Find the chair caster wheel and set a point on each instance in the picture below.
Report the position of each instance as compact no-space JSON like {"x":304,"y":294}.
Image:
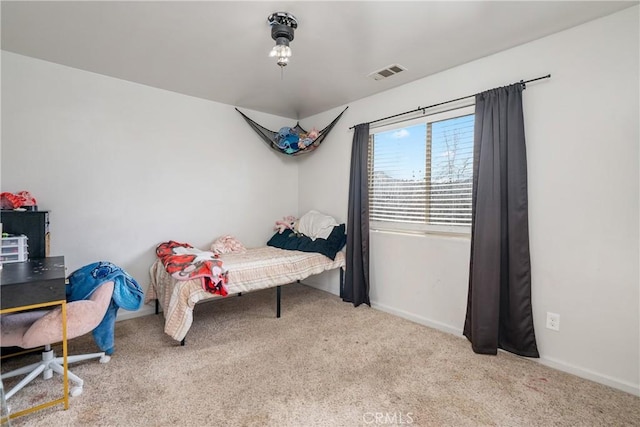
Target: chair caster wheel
{"x":75,"y":391}
{"x":105,"y":358}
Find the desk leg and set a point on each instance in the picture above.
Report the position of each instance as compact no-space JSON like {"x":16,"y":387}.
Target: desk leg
{"x":65,"y":378}
{"x":64,"y":356}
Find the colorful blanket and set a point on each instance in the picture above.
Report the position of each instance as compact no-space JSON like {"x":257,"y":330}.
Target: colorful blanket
{"x":184,"y":262}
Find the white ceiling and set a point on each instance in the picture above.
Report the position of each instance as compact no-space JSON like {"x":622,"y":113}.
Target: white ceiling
{"x":218,"y":50}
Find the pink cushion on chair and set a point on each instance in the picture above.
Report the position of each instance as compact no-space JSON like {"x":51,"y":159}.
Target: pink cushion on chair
{"x":38,"y":328}
{"x":14,"y":326}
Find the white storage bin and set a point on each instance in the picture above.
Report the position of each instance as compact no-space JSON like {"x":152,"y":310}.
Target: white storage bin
{"x":14,"y":249}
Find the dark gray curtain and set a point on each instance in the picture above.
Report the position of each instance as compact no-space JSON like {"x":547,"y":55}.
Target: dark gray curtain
{"x":499,"y":313}
{"x":356,"y":283}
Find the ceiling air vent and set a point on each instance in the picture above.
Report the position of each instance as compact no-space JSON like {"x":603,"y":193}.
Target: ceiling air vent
{"x":387,"y":72}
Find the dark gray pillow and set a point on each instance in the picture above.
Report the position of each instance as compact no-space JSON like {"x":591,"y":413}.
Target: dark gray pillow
{"x":298,"y":242}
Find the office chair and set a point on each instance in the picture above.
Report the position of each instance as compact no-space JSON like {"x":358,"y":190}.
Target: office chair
{"x":44,"y":327}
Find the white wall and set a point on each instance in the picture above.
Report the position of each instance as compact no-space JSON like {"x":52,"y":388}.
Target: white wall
{"x":582,"y":139}
{"x":123,"y":167}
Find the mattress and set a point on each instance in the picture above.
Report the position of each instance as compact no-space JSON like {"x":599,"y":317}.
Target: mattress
{"x":258,"y":268}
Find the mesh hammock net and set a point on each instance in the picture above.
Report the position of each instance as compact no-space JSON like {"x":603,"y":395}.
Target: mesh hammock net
{"x":292,"y":141}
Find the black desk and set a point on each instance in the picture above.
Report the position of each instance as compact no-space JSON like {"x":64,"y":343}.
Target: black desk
{"x":38,"y":283}
{"x":32,"y":282}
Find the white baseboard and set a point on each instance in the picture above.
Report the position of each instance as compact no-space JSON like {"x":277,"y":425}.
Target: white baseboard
{"x":418,"y":319}
{"x":590,"y":375}
{"x":145,"y":310}
{"x":327,"y":287}
{"x":547,"y":361}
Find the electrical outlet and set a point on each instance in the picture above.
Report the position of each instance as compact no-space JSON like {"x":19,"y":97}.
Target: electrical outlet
{"x":553,"y":321}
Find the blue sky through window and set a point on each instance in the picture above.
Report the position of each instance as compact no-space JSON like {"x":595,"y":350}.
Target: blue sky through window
{"x":405,"y":149}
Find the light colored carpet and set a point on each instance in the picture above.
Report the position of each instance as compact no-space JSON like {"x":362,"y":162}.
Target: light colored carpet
{"x":323,"y":363}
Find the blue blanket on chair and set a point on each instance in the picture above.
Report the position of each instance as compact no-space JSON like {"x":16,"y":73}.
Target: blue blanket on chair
{"x":126,"y":294}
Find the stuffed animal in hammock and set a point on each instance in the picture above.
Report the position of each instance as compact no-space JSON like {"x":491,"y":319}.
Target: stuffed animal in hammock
{"x":287,"y":140}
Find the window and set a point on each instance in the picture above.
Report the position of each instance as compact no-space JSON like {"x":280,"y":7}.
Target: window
{"x":421,"y":174}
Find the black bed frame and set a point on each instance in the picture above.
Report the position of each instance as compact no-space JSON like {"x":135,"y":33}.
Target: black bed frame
{"x":278,"y":294}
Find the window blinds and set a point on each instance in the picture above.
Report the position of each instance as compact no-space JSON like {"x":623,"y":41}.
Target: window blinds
{"x":422,"y":174}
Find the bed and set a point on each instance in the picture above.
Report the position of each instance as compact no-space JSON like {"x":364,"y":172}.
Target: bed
{"x":299,"y":249}
{"x":255,"y":269}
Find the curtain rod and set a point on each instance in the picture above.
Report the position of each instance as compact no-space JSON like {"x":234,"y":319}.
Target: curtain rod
{"x":522,"y":82}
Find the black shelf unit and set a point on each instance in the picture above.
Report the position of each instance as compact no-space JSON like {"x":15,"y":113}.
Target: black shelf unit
{"x":34,"y":225}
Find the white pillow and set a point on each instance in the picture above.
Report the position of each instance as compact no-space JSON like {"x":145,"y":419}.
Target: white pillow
{"x":316,"y":225}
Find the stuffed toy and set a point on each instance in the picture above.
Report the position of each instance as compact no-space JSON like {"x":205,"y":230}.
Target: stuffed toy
{"x":313,"y":134}
{"x":286,"y":223}
{"x":287,"y":140}
{"x":306,"y":139}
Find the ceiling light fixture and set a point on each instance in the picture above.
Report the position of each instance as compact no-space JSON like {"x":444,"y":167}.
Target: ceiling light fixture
{"x":282,"y":26}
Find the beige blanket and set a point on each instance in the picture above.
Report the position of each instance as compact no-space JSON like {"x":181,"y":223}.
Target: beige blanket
{"x":258,"y":268}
